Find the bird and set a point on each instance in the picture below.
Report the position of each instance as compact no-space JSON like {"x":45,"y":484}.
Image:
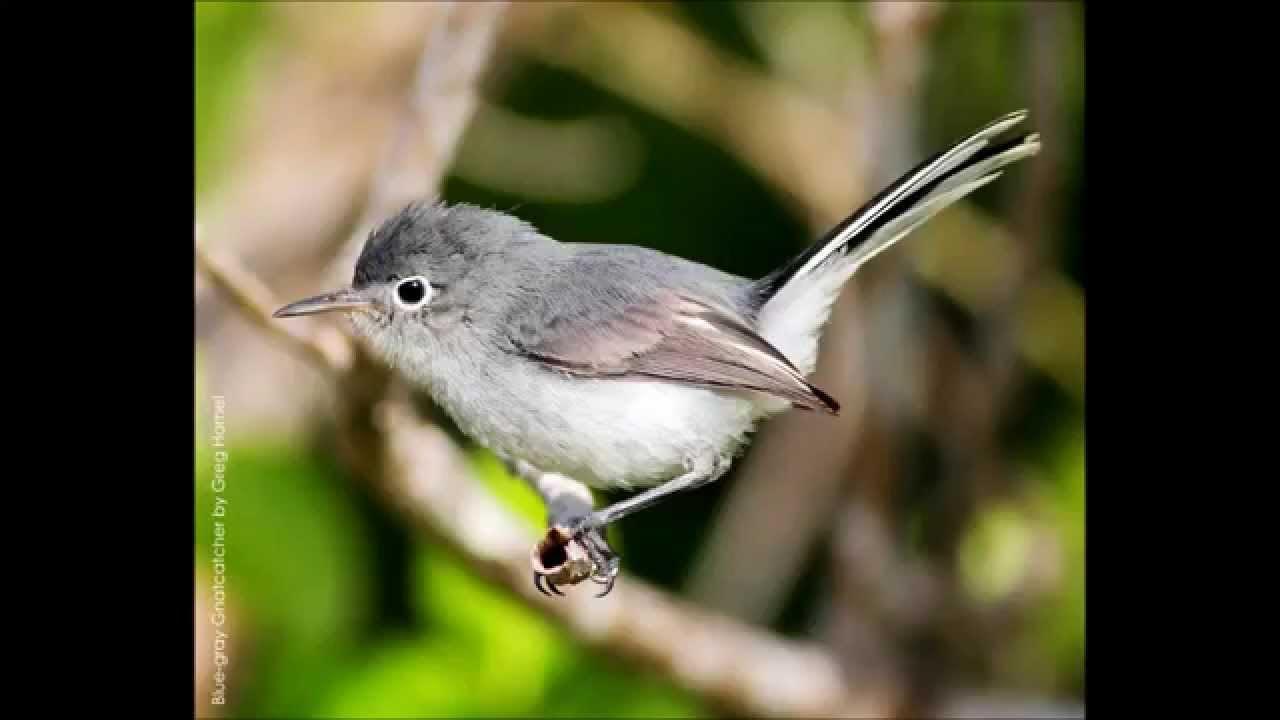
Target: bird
{"x":620,"y":366}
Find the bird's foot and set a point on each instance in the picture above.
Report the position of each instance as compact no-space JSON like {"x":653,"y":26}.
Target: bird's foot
{"x":570,"y":553}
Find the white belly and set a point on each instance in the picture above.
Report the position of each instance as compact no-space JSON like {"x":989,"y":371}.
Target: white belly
{"x":641,"y":433}
{"x":612,"y":433}
{"x":607,"y":433}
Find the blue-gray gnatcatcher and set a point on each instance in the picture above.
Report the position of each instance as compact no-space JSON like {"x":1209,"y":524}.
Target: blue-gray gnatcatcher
{"x":619,"y":366}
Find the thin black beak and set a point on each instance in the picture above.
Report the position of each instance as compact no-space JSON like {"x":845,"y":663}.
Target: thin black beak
{"x":341,"y":301}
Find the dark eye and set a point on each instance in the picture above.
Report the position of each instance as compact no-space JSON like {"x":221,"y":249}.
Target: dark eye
{"x":412,"y":293}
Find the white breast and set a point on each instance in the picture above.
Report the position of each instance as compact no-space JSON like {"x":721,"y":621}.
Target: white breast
{"x":639,"y":433}
{"x":607,"y":433}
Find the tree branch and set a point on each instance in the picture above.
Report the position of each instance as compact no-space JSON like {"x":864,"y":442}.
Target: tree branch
{"x":438,"y":108}
{"x":733,"y":665}
{"x":324,"y":347}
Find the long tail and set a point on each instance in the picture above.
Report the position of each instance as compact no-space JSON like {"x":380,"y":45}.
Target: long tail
{"x":795,"y":300}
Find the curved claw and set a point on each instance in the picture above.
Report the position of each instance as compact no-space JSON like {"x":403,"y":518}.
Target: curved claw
{"x":608,"y":586}
{"x":573,"y":552}
{"x":608,"y":578}
{"x":539,"y":579}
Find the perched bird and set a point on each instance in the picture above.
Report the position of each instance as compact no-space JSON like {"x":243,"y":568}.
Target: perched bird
{"x":619,"y":366}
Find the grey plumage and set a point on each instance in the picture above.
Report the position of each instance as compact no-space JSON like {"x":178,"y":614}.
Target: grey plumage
{"x":620,"y":366}
{"x":670,"y":320}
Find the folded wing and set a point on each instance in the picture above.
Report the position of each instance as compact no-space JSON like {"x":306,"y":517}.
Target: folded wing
{"x":670,"y":336}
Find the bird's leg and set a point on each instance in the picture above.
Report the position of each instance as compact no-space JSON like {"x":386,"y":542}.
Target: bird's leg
{"x":575,"y":540}
{"x":697,"y":476}
{"x":567,"y":554}
{"x":587,"y":529}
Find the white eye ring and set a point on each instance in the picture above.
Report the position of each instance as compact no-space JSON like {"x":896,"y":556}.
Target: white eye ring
{"x":412,"y":293}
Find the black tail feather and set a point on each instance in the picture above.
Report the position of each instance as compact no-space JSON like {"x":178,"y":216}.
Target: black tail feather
{"x":768,"y":286}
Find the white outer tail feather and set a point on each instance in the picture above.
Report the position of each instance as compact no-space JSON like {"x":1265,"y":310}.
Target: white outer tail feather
{"x":793,"y":318}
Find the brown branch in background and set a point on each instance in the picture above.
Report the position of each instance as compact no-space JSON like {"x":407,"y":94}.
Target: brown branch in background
{"x":788,"y":485}
{"x":971,"y":394}
{"x":1039,"y":201}
{"x":316,"y":110}
{"x":790,"y":482}
{"x":797,"y":468}
{"x":439,"y":105}
{"x":322,"y":346}
{"x":311,"y":149}
{"x":641,"y":54}
{"x":876,"y":597}
{"x":962,"y":399}
{"x":736,"y":668}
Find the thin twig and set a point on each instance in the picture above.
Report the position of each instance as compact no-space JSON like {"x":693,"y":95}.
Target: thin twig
{"x":324,"y":347}
{"x":438,"y":107}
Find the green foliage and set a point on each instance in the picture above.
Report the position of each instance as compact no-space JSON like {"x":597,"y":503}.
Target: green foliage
{"x":290,"y":532}
{"x":996,"y":554}
{"x":296,"y":555}
{"x":979,"y":65}
{"x":511,"y":491}
{"x":225,"y":31}
{"x":298,"y":584}
{"x":483,"y":653}
{"x":510,"y":651}
{"x":521,"y":499}
{"x":1059,"y":623}
{"x":1000,"y":552}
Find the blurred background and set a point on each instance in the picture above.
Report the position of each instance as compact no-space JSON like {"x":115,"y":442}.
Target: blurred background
{"x":931,"y":537}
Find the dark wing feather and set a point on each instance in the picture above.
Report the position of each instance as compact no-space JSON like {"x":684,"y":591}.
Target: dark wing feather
{"x":675,"y":337}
